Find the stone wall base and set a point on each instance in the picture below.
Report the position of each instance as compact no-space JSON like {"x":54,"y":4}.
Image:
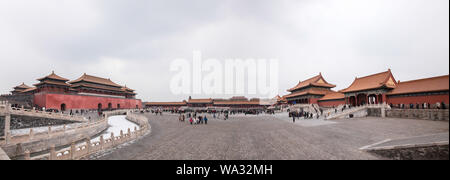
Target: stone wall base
{"x":423,"y":114}
{"x":426,"y":152}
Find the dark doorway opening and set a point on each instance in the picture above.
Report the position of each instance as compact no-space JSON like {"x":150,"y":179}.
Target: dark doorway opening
{"x":63,"y":107}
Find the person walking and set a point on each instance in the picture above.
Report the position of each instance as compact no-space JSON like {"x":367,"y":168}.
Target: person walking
{"x":190,"y":120}
{"x":293,"y":118}
{"x":206,"y":120}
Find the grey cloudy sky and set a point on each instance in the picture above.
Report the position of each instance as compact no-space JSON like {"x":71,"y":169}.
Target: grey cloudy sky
{"x":133,"y":41}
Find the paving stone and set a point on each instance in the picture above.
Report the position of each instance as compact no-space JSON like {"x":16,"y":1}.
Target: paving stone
{"x":266,"y":137}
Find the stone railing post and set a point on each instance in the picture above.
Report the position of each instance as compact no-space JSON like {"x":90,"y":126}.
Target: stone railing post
{"x":88,"y":145}
{"x":73,"y":150}
{"x":49,"y":131}
{"x":7,"y":127}
{"x":112,"y":139}
{"x":129,"y":132}
{"x":52,"y":152}
{"x":27,"y":155}
{"x":102,"y":142}
{"x":121,"y":134}
{"x":31,"y":135}
{"x":19,"y":150}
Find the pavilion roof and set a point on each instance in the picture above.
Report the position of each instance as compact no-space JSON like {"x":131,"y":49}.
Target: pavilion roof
{"x":200,"y":100}
{"x":237,"y":103}
{"x":433,"y":84}
{"x":22,"y":86}
{"x":314,"y":81}
{"x":29,"y":89}
{"x":379,"y":80}
{"x":95,"y":79}
{"x":166,"y":103}
{"x":48,"y":81}
{"x":125,"y":88}
{"x":308,"y":92}
{"x":97,"y":87}
{"x":54,"y":77}
{"x":332,"y":96}
{"x":238,"y":98}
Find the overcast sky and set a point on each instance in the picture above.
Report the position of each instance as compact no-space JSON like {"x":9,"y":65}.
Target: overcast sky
{"x":133,"y":42}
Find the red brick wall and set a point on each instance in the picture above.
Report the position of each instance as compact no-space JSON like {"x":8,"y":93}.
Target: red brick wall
{"x":313,"y":100}
{"x":331,"y":103}
{"x":54,"y":101}
{"x":432,"y":99}
{"x":39,"y":100}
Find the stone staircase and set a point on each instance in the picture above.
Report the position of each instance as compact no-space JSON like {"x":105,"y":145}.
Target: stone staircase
{"x":344,"y":114}
{"x":310,"y":108}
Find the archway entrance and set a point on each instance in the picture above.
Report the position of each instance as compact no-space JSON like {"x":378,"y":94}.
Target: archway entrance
{"x":373,"y":99}
{"x":352,"y":100}
{"x":63,"y":107}
{"x":362,"y":99}
{"x":99,"y":106}
{"x":109,"y":106}
{"x":118,"y":106}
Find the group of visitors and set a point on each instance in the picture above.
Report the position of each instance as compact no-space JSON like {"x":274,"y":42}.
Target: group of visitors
{"x":438,"y":105}
{"x":157,"y":111}
{"x":218,"y":115}
{"x":298,"y":115}
{"x":198,"y":120}
{"x":193,"y":119}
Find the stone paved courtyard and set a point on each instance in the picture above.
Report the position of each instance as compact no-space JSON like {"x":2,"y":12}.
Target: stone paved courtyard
{"x":268,"y":138}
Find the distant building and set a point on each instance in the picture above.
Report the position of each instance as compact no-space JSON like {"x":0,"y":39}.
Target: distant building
{"x":309,"y":91}
{"x":238,"y":103}
{"x":370,"y":89}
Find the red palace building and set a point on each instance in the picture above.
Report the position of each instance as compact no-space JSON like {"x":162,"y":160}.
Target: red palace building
{"x":309,"y":91}
{"x":86,"y":92}
{"x":373,"y":89}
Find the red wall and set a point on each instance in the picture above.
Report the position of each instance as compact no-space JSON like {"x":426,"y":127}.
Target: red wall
{"x":313,"y":100}
{"x":54,"y":101}
{"x":331,"y":103}
{"x":432,"y":99}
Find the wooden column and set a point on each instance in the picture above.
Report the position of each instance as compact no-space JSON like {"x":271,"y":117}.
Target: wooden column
{"x":367,"y":99}
{"x":7,"y":127}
